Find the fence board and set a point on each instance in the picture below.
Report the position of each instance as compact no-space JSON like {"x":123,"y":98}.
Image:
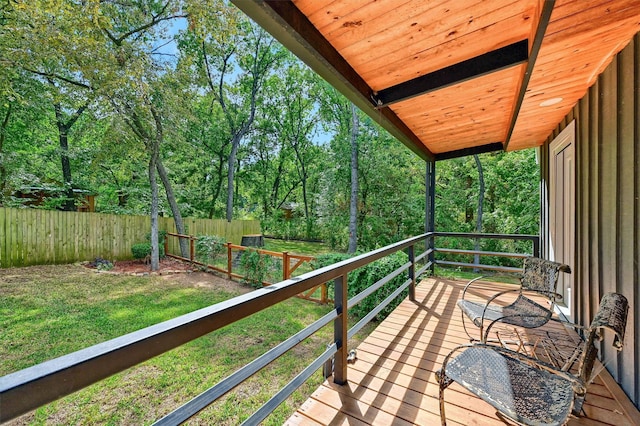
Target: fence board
{"x":34,"y":236}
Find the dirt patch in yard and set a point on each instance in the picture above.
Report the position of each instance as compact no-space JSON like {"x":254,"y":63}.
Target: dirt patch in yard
{"x":138,"y":267}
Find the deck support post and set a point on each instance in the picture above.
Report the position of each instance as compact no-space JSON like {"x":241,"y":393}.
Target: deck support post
{"x":430,"y":209}
{"x":340,"y":329}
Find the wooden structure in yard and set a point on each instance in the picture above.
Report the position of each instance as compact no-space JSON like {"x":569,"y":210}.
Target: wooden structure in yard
{"x":36,"y":196}
{"x":233,"y":252}
{"x":37,"y":237}
{"x":450,"y":78}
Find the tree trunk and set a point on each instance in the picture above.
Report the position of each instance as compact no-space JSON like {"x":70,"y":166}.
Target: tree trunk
{"x":218,"y":186}
{"x":3,"y":169}
{"x":353,"y":205}
{"x":476,"y":259}
{"x":63,"y":141}
{"x":230,"y":174}
{"x":175,"y":210}
{"x":155,"y":249}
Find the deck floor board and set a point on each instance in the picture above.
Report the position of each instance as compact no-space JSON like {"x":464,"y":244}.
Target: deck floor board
{"x":393,"y":380}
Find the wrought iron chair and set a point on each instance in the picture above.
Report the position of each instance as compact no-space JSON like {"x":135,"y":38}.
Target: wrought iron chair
{"x":524,"y":389}
{"x":539,"y":276}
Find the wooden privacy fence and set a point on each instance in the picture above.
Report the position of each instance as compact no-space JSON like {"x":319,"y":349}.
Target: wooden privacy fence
{"x":35,"y":237}
{"x":229,"y":264}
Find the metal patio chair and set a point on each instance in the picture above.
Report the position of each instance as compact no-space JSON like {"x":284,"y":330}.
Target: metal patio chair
{"x":524,"y":389}
{"x":539,"y":276}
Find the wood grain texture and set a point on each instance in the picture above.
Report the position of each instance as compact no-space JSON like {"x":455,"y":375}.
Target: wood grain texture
{"x":393,"y":380}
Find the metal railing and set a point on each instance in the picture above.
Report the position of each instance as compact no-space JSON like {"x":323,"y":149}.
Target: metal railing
{"x":35,"y":386}
{"x":535,"y":250}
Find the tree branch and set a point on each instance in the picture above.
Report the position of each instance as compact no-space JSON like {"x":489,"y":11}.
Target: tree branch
{"x":58,"y":77}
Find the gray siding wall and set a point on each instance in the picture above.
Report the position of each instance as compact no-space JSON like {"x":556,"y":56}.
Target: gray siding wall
{"x":607,"y":204}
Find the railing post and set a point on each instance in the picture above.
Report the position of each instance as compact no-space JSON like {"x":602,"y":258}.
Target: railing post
{"x":285,"y":266}
{"x":536,"y":247}
{"x":229,"y":260}
{"x":412,"y":273}
{"x":430,"y":210}
{"x":431,"y":245}
{"x":340,"y":328}
{"x":192,"y":249}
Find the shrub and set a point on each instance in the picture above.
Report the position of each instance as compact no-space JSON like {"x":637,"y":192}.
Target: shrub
{"x":141,"y":250}
{"x":161,"y":237}
{"x":256,"y":267}
{"x":363,"y":277}
{"x":209,"y":247}
{"x":102,"y":264}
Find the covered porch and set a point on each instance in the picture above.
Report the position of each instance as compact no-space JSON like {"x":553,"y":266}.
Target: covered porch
{"x":393,"y":379}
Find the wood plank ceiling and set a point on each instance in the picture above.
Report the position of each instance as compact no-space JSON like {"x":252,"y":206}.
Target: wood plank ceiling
{"x":454,"y":77}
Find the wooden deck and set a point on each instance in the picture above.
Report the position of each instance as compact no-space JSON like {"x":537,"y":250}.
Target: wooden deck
{"x":393,"y":380}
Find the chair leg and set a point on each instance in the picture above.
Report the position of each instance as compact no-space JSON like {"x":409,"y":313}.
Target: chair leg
{"x":443,"y":418}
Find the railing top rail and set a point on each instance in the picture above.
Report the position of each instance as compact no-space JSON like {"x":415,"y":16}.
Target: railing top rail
{"x":66,"y":374}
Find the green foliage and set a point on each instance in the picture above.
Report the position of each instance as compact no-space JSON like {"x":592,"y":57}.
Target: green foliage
{"x":209,"y":247}
{"x":294,"y":228}
{"x":256,"y":266}
{"x":362,"y":278}
{"x":285,"y":132}
{"x":102,"y":264}
{"x":141,"y":250}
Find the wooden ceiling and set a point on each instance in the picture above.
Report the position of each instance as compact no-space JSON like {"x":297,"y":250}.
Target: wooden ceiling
{"x":456,"y":77}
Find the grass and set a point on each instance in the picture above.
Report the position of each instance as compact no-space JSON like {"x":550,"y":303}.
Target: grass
{"x":49,"y":311}
{"x":297,"y":247}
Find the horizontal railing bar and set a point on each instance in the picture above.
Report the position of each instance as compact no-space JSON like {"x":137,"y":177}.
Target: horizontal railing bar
{"x":294,"y":384}
{"x":259,"y":250}
{"x":367,"y":318}
{"x":32,"y":387}
{"x":483,"y":253}
{"x":492,"y":236}
{"x":479,"y":266}
{"x":423,"y":255}
{"x":200,"y":402}
{"x":376,"y":286}
{"x":173,"y":234}
{"x":423,"y":269}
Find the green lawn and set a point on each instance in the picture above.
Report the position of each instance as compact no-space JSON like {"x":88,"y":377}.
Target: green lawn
{"x":48,"y":311}
{"x":297,"y":247}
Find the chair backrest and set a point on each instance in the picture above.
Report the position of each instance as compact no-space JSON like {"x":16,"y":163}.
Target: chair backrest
{"x":612,"y":314}
{"x":542,"y":275}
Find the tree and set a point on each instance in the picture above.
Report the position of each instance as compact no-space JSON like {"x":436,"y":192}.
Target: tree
{"x":291,"y":109}
{"x":353,"y":205}
{"x":232,"y":49}
{"x":476,"y":158}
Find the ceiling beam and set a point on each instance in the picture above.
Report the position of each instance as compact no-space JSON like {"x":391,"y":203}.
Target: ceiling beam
{"x":545,"y":17}
{"x":490,"y":147}
{"x":287,"y":24}
{"x":487,"y":63}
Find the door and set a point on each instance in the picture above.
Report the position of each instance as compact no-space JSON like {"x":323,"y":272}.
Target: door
{"x":562,"y":184}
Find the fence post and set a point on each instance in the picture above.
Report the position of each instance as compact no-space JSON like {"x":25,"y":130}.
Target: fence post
{"x":324,"y":294}
{"x":536,"y":247}
{"x":340,"y":328}
{"x":229,"y":260}
{"x":192,"y":248}
{"x":166,"y":244}
{"x":412,"y":273}
{"x":285,"y":266}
